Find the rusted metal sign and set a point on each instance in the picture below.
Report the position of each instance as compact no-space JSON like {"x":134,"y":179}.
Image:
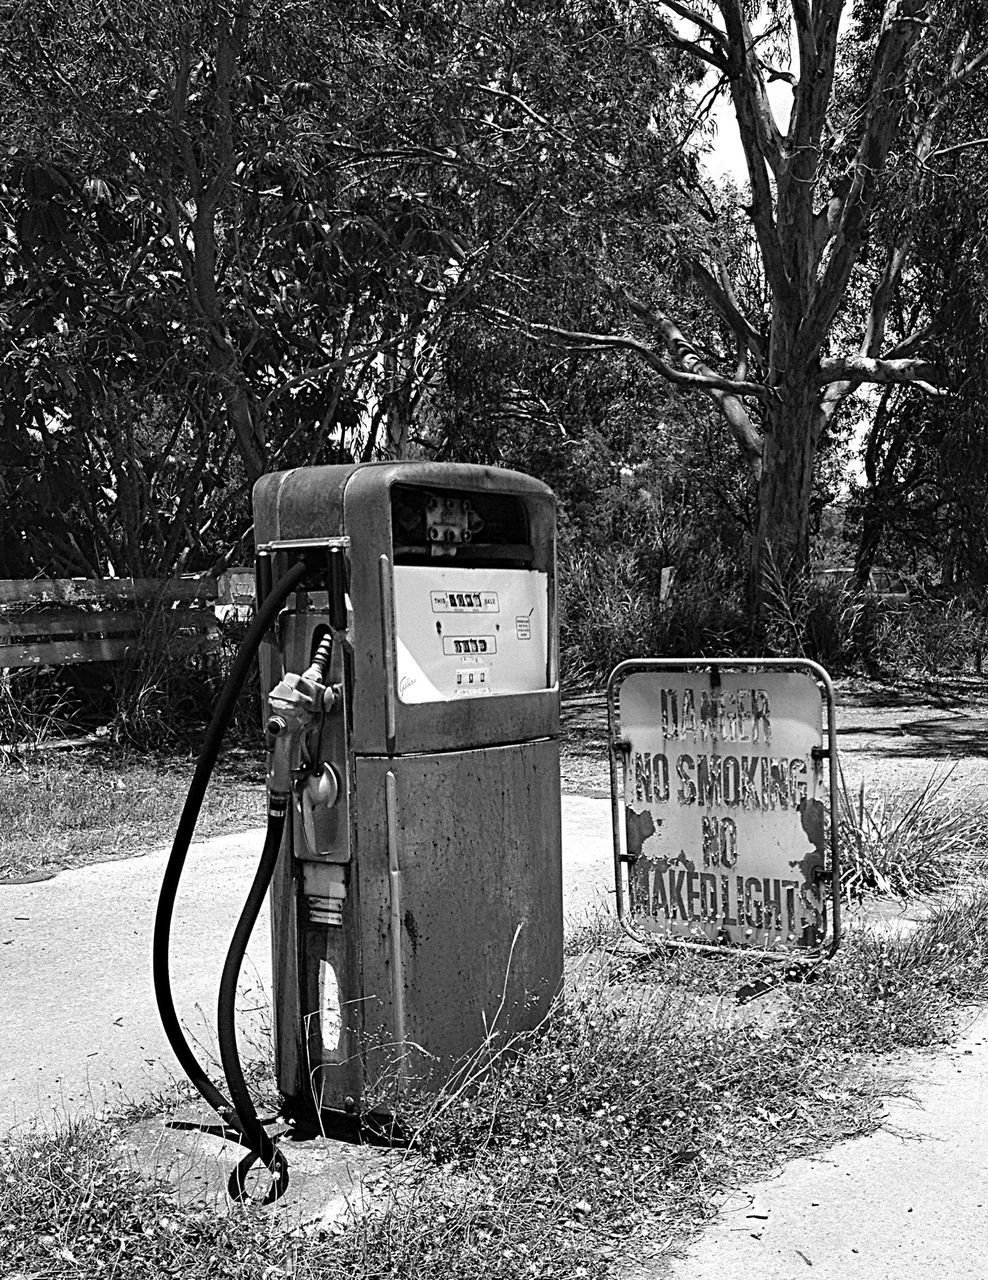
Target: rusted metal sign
{"x":720,"y":819}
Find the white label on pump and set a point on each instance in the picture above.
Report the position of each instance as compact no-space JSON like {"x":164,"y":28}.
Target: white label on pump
{"x":469,"y":633}
{"x":330,"y":1014}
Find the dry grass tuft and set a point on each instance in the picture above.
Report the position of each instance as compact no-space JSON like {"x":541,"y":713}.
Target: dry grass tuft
{"x":908,"y":844}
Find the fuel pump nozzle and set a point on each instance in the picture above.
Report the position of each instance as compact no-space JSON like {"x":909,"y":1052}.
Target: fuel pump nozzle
{"x":294,"y":706}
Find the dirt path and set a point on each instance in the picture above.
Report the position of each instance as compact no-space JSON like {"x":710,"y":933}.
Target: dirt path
{"x":888,"y":737}
{"x":900,"y":737}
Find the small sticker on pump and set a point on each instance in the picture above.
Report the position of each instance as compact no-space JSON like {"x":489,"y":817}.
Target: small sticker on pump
{"x":523,"y":628}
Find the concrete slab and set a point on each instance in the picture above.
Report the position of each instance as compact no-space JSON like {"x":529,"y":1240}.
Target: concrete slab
{"x":78,"y":1022}
{"x":328,"y":1181}
{"x":908,"y":1202}
{"x":79,"y":1029}
{"x":588,"y":859}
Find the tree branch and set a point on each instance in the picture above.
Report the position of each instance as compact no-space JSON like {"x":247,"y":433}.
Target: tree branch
{"x":858,"y":369}
{"x":760,"y":140}
{"x":719,"y":292}
{"x":874,"y":337}
{"x":959,"y":75}
{"x":725,"y":392}
{"x":314,"y":373}
{"x":958,"y":146}
{"x":698,"y":19}
{"x":911,"y":343}
{"x":697,"y":51}
{"x":760,"y":135}
{"x":523,"y":106}
{"x":577,"y":340}
{"x":885,"y":95}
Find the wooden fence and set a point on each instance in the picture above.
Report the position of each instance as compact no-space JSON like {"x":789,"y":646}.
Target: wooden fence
{"x":62,"y":621}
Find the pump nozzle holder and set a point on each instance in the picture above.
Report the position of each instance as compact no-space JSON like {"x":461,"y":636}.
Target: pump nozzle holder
{"x":280,"y":746}
{"x":294,"y":705}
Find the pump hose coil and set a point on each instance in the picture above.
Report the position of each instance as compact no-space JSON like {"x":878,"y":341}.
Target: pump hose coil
{"x":239,"y":1115}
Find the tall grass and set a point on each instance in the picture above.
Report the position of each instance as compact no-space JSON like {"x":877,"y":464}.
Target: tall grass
{"x":827,"y":621}
{"x":162,"y":698}
{"x":932,"y":636}
{"x":908,"y":843}
{"x":846,"y":629}
{"x":154,"y":698}
{"x":32,"y":712}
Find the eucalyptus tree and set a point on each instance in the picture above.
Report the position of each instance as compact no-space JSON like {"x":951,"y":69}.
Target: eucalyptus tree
{"x":780,"y":359}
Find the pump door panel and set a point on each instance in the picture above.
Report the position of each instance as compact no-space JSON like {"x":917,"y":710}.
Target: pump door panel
{"x":479,"y":920}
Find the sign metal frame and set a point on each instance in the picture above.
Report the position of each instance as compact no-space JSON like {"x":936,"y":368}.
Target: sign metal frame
{"x":619,"y":748}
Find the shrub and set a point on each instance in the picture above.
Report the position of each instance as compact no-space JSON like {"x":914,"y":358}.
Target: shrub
{"x":34,"y":709}
{"x":610,"y":609}
{"x":161,"y":699}
{"x":930,"y":637}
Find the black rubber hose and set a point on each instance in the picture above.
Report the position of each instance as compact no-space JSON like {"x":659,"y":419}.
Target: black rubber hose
{"x":226,"y":704}
{"x":254,"y":1135}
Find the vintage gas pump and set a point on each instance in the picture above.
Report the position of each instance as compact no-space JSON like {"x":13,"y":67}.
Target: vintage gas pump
{"x":412,"y":706}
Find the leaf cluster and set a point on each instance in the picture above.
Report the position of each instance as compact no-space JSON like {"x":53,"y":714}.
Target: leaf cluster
{"x":243,"y":237}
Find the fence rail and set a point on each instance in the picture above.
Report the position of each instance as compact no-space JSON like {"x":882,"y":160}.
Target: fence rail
{"x":63,"y":621}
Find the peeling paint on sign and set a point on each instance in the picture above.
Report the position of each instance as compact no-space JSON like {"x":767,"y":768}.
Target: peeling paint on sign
{"x":724,"y":822}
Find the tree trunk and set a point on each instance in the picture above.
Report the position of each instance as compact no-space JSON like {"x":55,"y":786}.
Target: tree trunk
{"x":780,"y":546}
{"x":248,"y":432}
{"x":872,"y":527}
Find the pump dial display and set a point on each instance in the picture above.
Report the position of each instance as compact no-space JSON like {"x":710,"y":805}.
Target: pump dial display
{"x":469,"y":644}
{"x":464,"y":601}
{"x":467,"y":633}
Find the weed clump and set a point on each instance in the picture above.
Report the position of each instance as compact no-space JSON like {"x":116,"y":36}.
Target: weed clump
{"x":903,"y":989}
{"x":639,"y":1101}
{"x":907,"y":844}
{"x":69,"y":1207}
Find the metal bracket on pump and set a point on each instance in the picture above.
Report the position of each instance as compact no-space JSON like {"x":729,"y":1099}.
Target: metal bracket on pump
{"x":325,"y":561}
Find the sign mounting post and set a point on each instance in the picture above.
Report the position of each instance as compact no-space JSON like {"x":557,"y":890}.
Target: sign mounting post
{"x":719,"y":803}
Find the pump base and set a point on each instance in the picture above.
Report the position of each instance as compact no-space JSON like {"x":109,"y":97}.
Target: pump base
{"x":375,"y":1129}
